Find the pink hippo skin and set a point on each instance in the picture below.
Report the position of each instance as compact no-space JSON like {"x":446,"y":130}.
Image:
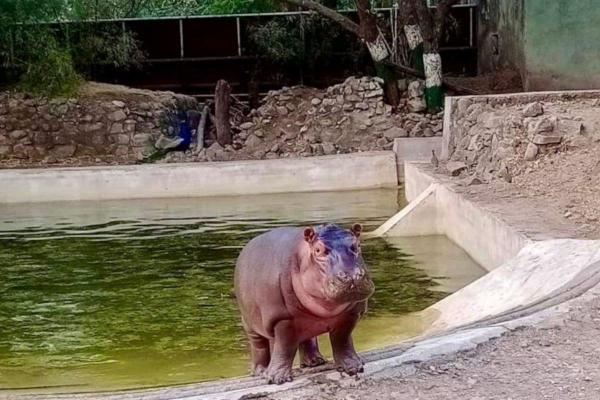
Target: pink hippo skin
{"x":293,"y":284}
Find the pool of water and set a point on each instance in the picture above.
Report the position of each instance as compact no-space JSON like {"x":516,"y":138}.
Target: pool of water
{"x":128,"y":294}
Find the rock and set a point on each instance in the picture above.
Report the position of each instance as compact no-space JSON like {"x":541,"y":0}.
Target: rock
{"x":290,"y":106}
{"x":402,"y":84}
{"x":455,"y":167}
{"x":340,"y":99}
{"x":471,"y":181}
{"x":541,"y":125}
{"x":348,"y":107}
{"x":315,"y":101}
{"x":142,"y":139}
{"x":533,"y":110}
{"x":275,"y":148}
{"x":63,"y":151}
{"x":368,"y":122}
{"x":416,"y":89}
{"x":395,"y":132}
{"x":381,"y":142}
{"x":215,"y":147}
{"x":569,"y":127}
{"x":253,"y":141}
{"x":117,"y":116}
{"x":116,"y":128}
{"x":122,"y":138}
{"x":417,"y":105}
{"x":118,"y":104}
{"x":328,"y":148}
{"x":463,"y":105}
{"x":282,"y":110}
{"x":418,"y":130}
{"x":246,"y":125}
{"x":18,"y":134}
{"x":374,"y":93}
{"x":546,"y":139}
{"x":531,"y":152}
{"x":259,"y":133}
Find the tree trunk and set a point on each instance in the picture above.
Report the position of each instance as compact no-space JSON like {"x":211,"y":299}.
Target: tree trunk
{"x":222,"y":99}
{"x":379,"y":51}
{"x":408,"y":24}
{"x":432,"y":62}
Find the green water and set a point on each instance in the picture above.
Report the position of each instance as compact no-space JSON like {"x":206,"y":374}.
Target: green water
{"x":99,"y":296}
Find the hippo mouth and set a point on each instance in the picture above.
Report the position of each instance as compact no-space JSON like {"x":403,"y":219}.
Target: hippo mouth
{"x":349,"y":290}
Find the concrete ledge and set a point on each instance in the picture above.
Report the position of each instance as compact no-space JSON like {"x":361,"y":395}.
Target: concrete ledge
{"x":487,"y":239}
{"x":329,"y":173}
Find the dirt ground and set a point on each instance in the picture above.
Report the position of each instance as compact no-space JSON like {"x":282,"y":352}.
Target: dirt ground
{"x":558,"y":363}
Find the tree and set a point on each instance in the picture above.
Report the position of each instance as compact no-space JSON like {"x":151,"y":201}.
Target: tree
{"x":429,"y":32}
{"x":423,"y":28}
{"x":368,"y":31}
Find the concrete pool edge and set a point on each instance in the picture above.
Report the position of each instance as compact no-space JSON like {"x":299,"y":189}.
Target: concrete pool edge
{"x":583,"y":280}
{"x":368,"y":170}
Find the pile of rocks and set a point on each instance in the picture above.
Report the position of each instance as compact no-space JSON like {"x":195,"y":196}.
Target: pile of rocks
{"x":490,"y":138}
{"x":299,"y":121}
{"x":92,"y":129}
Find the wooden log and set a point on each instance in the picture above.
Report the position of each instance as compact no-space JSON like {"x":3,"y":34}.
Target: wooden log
{"x":201,"y":129}
{"x":222,"y":102}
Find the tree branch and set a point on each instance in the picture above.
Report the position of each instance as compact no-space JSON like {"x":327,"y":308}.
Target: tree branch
{"x":441,"y":12}
{"x":335,"y":16}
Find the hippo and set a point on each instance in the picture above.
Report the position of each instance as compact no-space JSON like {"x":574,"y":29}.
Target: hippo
{"x":293,"y":284}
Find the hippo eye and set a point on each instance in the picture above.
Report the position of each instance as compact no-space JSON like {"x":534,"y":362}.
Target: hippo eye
{"x":320,"y":251}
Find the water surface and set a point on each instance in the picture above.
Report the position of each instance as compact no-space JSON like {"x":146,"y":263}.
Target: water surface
{"x":124,"y":294}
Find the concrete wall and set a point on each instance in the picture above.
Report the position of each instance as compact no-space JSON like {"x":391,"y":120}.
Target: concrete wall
{"x":329,"y":173}
{"x":436,"y":209}
{"x":554,"y":44}
{"x":506,"y":20}
{"x":561,"y":44}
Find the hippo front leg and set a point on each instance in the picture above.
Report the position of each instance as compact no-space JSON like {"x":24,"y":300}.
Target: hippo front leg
{"x":285,"y":345}
{"x":344,"y":355}
{"x":310,"y":356}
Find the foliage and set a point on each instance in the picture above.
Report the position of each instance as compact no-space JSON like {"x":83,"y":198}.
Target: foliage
{"x":308,"y":43}
{"x":44,"y":54}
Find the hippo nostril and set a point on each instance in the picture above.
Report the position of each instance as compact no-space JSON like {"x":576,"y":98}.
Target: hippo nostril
{"x":359,"y":274}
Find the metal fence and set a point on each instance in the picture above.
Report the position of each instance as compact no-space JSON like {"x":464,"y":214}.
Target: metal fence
{"x":190,"y":54}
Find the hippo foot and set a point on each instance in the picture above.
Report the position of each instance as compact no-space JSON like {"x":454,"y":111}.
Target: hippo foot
{"x":350,"y":364}
{"x":258,"y":370}
{"x":313,"y":360}
{"x":278,"y":375}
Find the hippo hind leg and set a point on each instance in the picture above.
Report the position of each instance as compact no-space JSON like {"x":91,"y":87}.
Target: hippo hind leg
{"x":310,"y":355}
{"x":261,"y":353}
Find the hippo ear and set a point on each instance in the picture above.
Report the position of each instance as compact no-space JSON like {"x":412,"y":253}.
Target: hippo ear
{"x":309,"y":234}
{"x":356,"y":229}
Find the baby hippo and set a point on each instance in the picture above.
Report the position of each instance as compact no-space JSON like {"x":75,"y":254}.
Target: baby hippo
{"x":293,"y":284}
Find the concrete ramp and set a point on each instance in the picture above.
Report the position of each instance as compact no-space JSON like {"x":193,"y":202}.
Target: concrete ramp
{"x":540,"y":272}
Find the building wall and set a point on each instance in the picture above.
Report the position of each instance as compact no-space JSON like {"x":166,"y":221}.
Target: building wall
{"x":505,"y":20}
{"x":562,"y":45}
{"x":555,"y":45}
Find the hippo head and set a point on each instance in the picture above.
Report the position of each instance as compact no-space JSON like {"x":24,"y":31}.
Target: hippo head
{"x":335,"y":264}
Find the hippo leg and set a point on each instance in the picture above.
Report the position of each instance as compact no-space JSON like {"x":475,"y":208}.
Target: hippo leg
{"x":345,"y":356}
{"x":261,"y":354}
{"x":310,"y":355}
{"x":284,"y":350}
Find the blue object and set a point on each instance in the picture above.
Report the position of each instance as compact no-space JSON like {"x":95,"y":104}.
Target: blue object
{"x":186,"y":134}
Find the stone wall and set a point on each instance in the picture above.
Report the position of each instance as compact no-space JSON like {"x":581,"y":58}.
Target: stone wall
{"x":487,"y":135}
{"x":105,"y":123}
